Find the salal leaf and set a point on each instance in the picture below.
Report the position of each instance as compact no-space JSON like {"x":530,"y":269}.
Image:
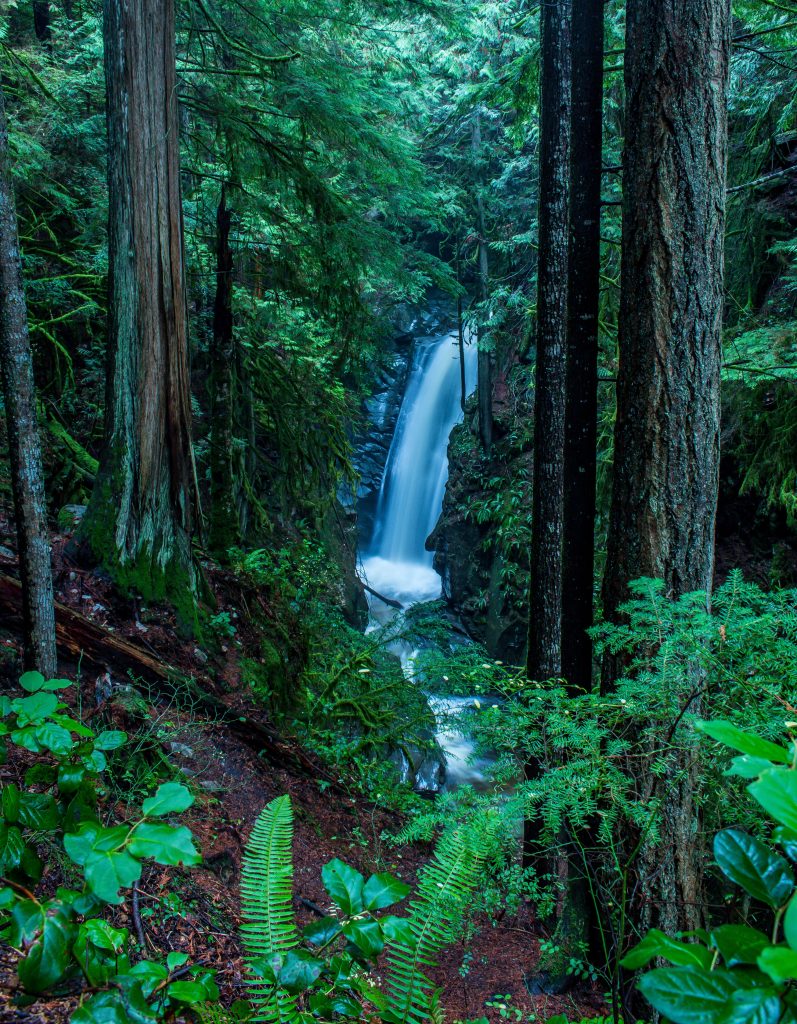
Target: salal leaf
{"x":747,"y":767}
{"x":299,"y":971}
{"x":745,"y":742}
{"x":779,"y":962}
{"x":739,"y":944}
{"x":748,"y":862}
{"x":383,"y":890}
{"x":170,"y":798}
{"x":166,"y":845}
{"x":345,"y":885}
{"x":111,"y":739}
{"x":46,"y":932}
{"x":33,"y":709}
{"x":689,"y":995}
{"x":776,"y":791}
{"x":366,"y":935}
{"x":656,"y":944}
{"x":319,"y":933}
{"x":752,"y":1006}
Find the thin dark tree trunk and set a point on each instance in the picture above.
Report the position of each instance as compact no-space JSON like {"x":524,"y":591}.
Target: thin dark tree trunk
{"x":41,"y":20}
{"x":666,"y":455}
{"x":545,"y":623}
{"x":545,"y":605}
{"x":581,"y":421}
{"x":223,"y":514}
{"x":19,"y":398}
{"x":484,"y":358}
{"x":140,"y":519}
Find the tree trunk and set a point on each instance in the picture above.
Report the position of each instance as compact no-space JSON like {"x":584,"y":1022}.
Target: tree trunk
{"x":545,"y":623}
{"x":581,"y":422}
{"x":41,"y":20}
{"x":666,"y":459}
{"x":484,"y":358}
{"x":140,"y":518}
{"x":19,"y":398}
{"x":223,"y":532}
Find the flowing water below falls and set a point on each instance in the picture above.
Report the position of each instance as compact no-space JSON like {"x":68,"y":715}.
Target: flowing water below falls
{"x":395,"y":562}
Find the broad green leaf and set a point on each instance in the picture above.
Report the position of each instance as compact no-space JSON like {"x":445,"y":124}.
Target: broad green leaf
{"x":54,"y":738}
{"x":299,"y":971}
{"x":111,"y":739}
{"x":748,"y":862}
{"x":739,"y":944}
{"x":9,"y":803}
{"x":752,"y":1006}
{"x":787,"y":839}
{"x":164,"y":844}
{"x":688,"y":995}
{"x":747,"y":767}
{"x":46,"y":933}
{"x":107,"y":872}
{"x":779,"y":962}
{"x":776,"y":791}
{"x":70,"y":776}
{"x":398,"y":930}
{"x":345,"y":885}
{"x":656,"y":944}
{"x":366,"y":934}
{"x":170,"y":798}
{"x":115,"y":1007}
{"x":320,"y":932}
{"x":38,"y":811}
{"x":383,"y":890}
{"x":189,"y":992}
{"x":34,"y":708}
{"x":31,"y":681}
{"x":103,"y":935}
{"x":175,"y":960}
{"x":745,"y":742}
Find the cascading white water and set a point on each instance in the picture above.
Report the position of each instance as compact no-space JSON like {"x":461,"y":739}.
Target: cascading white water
{"x":397,"y":564}
{"x":411,"y":496}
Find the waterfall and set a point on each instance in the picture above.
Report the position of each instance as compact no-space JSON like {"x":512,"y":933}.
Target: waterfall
{"x":397,"y":563}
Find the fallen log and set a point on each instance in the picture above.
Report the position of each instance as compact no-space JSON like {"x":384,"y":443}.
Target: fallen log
{"x":375,"y":593}
{"x":86,"y":642}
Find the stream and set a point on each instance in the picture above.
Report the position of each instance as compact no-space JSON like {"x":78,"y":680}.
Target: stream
{"x":394,"y":561}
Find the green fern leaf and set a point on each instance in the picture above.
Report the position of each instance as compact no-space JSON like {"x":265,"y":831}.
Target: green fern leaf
{"x":444,"y":889}
{"x":268,"y":930}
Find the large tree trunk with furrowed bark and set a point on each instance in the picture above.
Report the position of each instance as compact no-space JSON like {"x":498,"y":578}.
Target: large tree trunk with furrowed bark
{"x":141,"y":515}
{"x":19,"y":398}
{"x":666,"y":461}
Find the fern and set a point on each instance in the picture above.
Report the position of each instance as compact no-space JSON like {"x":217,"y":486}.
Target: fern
{"x":268,"y":928}
{"x":444,"y":888}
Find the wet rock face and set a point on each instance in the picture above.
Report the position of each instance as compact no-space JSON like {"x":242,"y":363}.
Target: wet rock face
{"x":480,"y":542}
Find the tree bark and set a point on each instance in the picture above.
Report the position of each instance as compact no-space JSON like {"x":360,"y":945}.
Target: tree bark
{"x":140,"y":518}
{"x":666,"y":459}
{"x":19,"y":398}
{"x":223,"y":532}
{"x":581,"y":420}
{"x":484,"y":365}
{"x":41,"y":20}
{"x":545,"y":621}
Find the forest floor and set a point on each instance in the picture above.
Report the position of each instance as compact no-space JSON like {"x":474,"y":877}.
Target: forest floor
{"x":197,"y":910}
